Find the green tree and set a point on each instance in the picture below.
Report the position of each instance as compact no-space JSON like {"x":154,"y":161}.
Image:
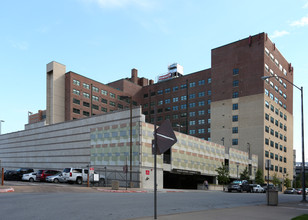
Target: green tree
{"x":287,"y":182}
{"x":275,"y":181}
{"x":259,"y":177}
{"x":245,"y":174}
{"x":223,"y":174}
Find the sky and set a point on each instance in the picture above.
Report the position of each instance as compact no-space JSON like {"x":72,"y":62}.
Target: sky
{"x":105,"y":39}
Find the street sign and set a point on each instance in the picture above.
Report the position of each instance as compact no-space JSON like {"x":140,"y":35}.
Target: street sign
{"x":91,"y":170}
{"x":165,"y":138}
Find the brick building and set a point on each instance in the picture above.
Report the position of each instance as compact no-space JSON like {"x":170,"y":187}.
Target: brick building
{"x":228,"y":103}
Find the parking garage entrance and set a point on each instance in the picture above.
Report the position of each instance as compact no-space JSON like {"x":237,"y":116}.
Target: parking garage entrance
{"x":184,"y":179}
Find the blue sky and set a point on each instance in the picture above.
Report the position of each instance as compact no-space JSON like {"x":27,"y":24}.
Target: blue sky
{"x":105,"y":39}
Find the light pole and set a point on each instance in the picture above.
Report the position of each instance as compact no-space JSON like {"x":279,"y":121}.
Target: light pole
{"x":0,"y":125}
{"x":130,"y":136}
{"x":237,"y":164}
{"x":303,"y":146}
{"x":223,"y":141}
{"x":248,"y":144}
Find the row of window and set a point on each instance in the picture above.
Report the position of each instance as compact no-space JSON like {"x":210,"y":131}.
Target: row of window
{"x":276,"y":133}
{"x":272,"y":97}
{"x":199,"y":131}
{"x":87,"y":104}
{"x":199,"y":122}
{"x":275,"y":144}
{"x":275,"y":61}
{"x":277,"y":157}
{"x":277,"y":112}
{"x":183,"y":106}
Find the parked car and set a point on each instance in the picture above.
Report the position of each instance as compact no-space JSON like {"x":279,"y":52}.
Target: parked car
{"x":290,"y":191}
{"x":299,"y":191}
{"x":31,"y":177}
{"x":16,"y":174}
{"x":239,"y":186}
{"x":42,"y":174}
{"x":75,"y":175}
{"x":257,"y":188}
{"x":57,"y":178}
{"x":270,"y":186}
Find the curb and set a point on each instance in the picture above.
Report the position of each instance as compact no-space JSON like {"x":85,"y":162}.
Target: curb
{"x":122,"y":191}
{"x":6,"y":190}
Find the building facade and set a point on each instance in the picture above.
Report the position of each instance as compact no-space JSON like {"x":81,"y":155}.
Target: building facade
{"x":228,"y":104}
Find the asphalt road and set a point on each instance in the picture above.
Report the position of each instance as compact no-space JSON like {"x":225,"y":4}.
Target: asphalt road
{"x":103,"y":205}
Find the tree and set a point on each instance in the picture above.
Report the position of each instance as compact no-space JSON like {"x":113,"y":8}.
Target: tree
{"x":259,"y":177}
{"x":275,"y":181}
{"x":245,"y":174}
{"x":287,"y":182}
{"x":223,"y":175}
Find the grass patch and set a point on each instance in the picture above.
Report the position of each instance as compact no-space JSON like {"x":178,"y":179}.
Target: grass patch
{"x":301,"y":217}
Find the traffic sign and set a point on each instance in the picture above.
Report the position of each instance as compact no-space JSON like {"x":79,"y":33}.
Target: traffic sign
{"x":165,"y":138}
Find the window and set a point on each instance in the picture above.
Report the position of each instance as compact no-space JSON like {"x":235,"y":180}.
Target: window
{"x":284,"y":159}
{"x":272,"y":156}
{"x":272,"y":120}
{"x":272,"y":108}
{"x":235,"y":71}
{"x":104,"y":101}
{"x":266,"y":92}
{"x":209,"y":111}
{"x":235,"y":83}
{"x":76,"y":101}
{"x":145,"y":95}
{"x":272,"y":143}
{"x":152,"y":103}
{"x":266,"y":141}
{"x":86,"y":86}
{"x":184,"y":115}
{"x":86,"y":104}
{"x":168,"y":90}
{"x":276,"y":157}
{"x":266,"y":154}
{"x":168,"y":109}
{"x":160,"y":102}
{"x":281,"y":114}
{"x":192,"y":96}
{"x":76,"y":111}
{"x":184,"y":97}
{"x":209,"y":92}
{"x":76,"y":92}
{"x":201,"y":122}
{"x":276,"y":168}
{"x":235,"y":141}
{"x":76,"y":82}
{"x":276,"y":122}
{"x":104,"y":109}
{"x":167,"y":101}
{"x":201,"y":94}
{"x":209,"y":121}
{"x":175,"y":108}
{"x":284,"y":149}
{"x":285,"y":127}
{"x":104,"y":92}
{"x":266,"y":104}
{"x":95,"y":98}
{"x":112,"y":103}
{"x":272,"y":132}
{"x":209,"y":80}
{"x":235,"y":118}
{"x":201,"y":82}
{"x":176,"y":99}
{"x":280,"y":147}
{"x":192,"y":114}
{"x":159,"y":92}
{"x":266,"y":116}
{"x":86,"y":95}
{"x":95,"y":89}
{"x":201,"y":131}
{"x":285,"y":138}
{"x":192,"y":84}
{"x":234,"y":130}
{"x":192,"y":131}
{"x":235,"y":106}
{"x":209,"y":130}
{"x":276,"y":111}
{"x":201,"y":112}
{"x":276,"y":145}
{"x":153,"y":93}
{"x":284,"y":117}
{"x":209,"y":101}
{"x":184,"y":106}
{"x":266,"y":129}
{"x":95,"y":107}
{"x":175,"y":116}
{"x":191,"y":105}
{"x":184,"y":86}
{"x":176,"y":88}
{"x":112,"y":95}
{"x":235,"y":95}
{"x":192,"y":122}
{"x":201,"y":103}
{"x":85,"y":113}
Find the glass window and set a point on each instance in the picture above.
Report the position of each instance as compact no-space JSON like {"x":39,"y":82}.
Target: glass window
{"x":192,"y":122}
{"x":235,"y":141}
{"x":159,"y":92}
{"x":266,"y":116}
{"x":235,"y":83}
{"x":192,"y":84}
{"x":272,"y":143}
{"x":192,"y":114}
{"x":160,"y":102}
{"x":176,"y":88}
{"x":201,"y":131}
{"x":184,"y":86}
{"x":209,"y":121}
{"x":184,"y":97}
{"x":76,"y":92}
{"x":234,"y":130}
{"x":112,"y":95}
{"x":183,"y":106}
{"x":209,"y":92}
{"x":201,"y":82}
{"x":266,"y":104}
{"x":272,"y":156}
{"x":86,"y":86}
{"x":175,"y":99}
{"x":266,"y":129}
{"x":266,"y":141}
{"x":266,"y":154}
{"x":191,"y":105}
{"x":95,"y":107}
{"x":95,"y":98}
{"x":104,"y":101}
{"x":209,"y":101}
{"x":201,"y":121}
{"x":201,"y":94}
{"x":86,"y":95}
{"x":192,"y":131}
{"x":209,"y":80}
{"x":104,"y":109}
{"x":192,"y":96}
{"x":175,"y":108}
{"x":201,"y":103}
{"x":235,"y":106}
{"x":235,"y":118}
{"x":167,"y":101}
{"x":76,"y":101}
{"x":76,"y":82}
{"x":201,"y":112}
{"x":76,"y":111}
{"x":235,"y":71}
{"x":95,"y":89}
{"x":235,"y":95}
{"x":168,"y":90}
{"x":112,"y":103}
{"x":104,"y":92}
{"x":86,"y":104}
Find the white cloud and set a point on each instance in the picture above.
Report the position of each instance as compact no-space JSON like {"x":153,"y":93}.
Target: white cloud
{"x":306,"y":5}
{"x":20,"y":45}
{"x":279,"y":34}
{"x":300,"y":23}
{"x":121,"y":3}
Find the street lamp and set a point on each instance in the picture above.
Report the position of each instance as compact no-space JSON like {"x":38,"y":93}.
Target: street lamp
{"x":131,"y":136}
{"x":303,"y":146}
{"x":237,"y":164}
{"x":0,"y":125}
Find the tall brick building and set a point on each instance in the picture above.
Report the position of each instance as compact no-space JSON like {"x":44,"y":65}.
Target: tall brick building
{"x":228,"y":104}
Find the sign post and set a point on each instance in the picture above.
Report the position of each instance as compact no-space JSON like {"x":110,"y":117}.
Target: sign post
{"x":267,"y":166}
{"x":164,"y":138}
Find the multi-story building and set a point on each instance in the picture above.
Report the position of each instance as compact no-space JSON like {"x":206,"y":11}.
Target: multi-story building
{"x":227,"y":104}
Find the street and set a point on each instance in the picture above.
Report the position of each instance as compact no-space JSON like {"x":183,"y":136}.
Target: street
{"x":94,"y":204}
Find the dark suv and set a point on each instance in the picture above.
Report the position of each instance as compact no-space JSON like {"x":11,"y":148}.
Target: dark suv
{"x":42,"y":174}
{"x":16,"y":174}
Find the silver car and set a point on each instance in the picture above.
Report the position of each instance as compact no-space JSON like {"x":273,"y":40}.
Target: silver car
{"x":31,"y":177}
{"x":57,"y":178}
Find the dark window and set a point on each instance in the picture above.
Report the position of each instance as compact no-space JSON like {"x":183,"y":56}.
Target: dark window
{"x":266,"y":141}
{"x":266,"y":116}
{"x":235,"y":95}
{"x":145,"y":95}
{"x":272,"y":143}
{"x":104,"y":109}
{"x":95,"y":107}
{"x":235,"y":106}
{"x":86,"y":104}
{"x":120,"y":106}
{"x":75,"y":110}
{"x":153,"y":93}
{"x":168,"y":90}
{"x":234,"y":130}
{"x":175,"y":88}
{"x":235,"y":83}
{"x":235,"y":71}
{"x":85,"y":113}
{"x":159,"y":92}
{"x":104,"y":101}
{"x":235,"y":118}
{"x":201,"y":82}
{"x":234,"y":141}
{"x":76,"y":101}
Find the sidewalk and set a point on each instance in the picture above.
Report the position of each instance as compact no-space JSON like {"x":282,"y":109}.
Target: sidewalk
{"x":285,"y":211}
